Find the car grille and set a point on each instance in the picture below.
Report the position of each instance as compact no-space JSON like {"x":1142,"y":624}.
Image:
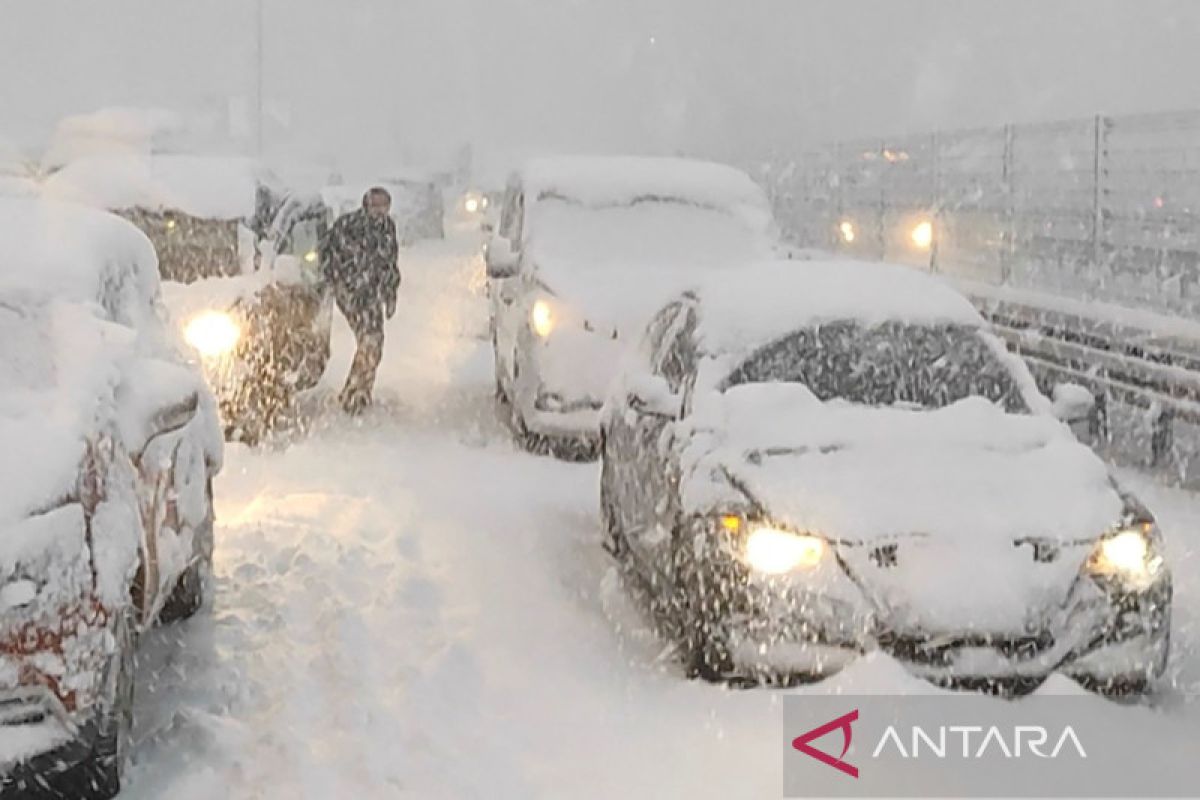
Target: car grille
{"x":939,"y":651}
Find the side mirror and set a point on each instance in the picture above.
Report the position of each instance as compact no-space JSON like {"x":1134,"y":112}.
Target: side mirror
{"x":1076,"y":406}
{"x":651,"y":396}
{"x":502,"y":261}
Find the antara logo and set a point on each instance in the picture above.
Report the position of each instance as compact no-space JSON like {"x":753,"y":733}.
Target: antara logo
{"x":1033,"y":740}
{"x":843,"y":722}
{"x":1033,"y":737}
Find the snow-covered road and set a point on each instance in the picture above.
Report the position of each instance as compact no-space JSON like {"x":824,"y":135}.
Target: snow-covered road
{"x":408,"y":607}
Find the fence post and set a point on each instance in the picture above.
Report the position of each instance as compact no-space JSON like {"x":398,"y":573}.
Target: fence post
{"x":934,"y":156}
{"x":1162,"y":436}
{"x":882,"y":210}
{"x":1008,"y":241}
{"x":1098,"y":169}
{"x":839,"y":198}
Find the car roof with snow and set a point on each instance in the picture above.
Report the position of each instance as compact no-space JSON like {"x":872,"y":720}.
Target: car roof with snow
{"x":206,"y":187}
{"x":746,"y":308}
{"x":620,"y":180}
{"x":62,"y":251}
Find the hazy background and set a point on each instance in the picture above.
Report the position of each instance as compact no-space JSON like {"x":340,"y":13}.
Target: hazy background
{"x":392,"y":81}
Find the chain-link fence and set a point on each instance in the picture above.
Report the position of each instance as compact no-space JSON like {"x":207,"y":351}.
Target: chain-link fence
{"x":1105,"y":208}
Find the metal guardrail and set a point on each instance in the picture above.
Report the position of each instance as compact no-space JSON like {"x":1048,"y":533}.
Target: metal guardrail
{"x":1099,"y":209}
{"x":1116,"y":364}
{"x":1104,"y":207}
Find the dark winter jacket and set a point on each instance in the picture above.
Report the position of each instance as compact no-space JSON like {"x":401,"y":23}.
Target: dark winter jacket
{"x":359,"y":265}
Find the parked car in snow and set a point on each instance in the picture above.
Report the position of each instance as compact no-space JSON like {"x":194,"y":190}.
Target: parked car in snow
{"x":418,"y":206}
{"x":239,"y":252}
{"x":110,"y":441}
{"x":586,"y":250}
{"x":808,"y":460}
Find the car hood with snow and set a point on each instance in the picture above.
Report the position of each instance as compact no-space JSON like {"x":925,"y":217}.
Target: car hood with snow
{"x":962,"y":495}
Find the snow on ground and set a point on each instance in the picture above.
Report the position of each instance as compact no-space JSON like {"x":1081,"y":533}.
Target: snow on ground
{"x":408,"y":607}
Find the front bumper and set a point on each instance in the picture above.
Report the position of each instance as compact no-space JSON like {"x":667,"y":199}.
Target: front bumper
{"x":1103,"y":635}
{"x":71,"y":769}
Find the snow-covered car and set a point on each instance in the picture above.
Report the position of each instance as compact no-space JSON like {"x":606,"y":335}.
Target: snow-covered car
{"x":586,"y":250}
{"x":808,"y":460}
{"x":418,"y":207}
{"x":239,"y":254}
{"x":111,"y":441}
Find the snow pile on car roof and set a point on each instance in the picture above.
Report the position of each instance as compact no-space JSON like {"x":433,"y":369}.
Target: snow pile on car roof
{"x":208,"y":187}
{"x":110,"y":132}
{"x":764,"y":301}
{"x":620,"y":180}
{"x":60,"y":250}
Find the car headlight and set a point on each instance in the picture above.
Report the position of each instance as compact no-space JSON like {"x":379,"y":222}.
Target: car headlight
{"x":472,"y":205}
{"x":541,"y":318}
{"x":922,"y":234}
{"x":213,"y":333}
{"x":1129,"y":555}
{"x":311,"y":257}
{"x":774,"y":551}
{"x":846,"y":231}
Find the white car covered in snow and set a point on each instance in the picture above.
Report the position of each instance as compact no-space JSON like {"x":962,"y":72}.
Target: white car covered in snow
{"x":586,"y":250}
{"x":109,"y":444}
{"x":809,"y":460}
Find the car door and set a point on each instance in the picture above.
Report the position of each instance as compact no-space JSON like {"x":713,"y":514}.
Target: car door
{"x":652,"y":489}
{"x":622,"y":454}
{"x":506,"y":292}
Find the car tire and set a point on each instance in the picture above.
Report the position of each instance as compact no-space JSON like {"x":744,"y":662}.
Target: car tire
{"x":114,"y":725}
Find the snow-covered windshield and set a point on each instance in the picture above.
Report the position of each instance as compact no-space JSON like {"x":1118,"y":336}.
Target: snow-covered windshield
{"x":662,"y":232}
{"x":894,"y":363}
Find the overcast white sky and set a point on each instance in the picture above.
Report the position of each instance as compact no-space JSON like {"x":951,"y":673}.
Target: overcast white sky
{"x":395,"y":80}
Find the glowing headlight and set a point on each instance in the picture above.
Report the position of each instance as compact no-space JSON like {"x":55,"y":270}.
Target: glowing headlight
{"x":311,"y":257}
{"x":213,"y":333}
{"x":542,"y":318}
{"x":1127,"y":555}
{"x":922,"y":235}
{"x":846,"y":229}
{"x":472,"y":205}
{"x":774,"y":552}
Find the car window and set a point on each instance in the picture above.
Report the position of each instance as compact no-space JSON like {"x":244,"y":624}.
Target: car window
{"x":890,"y":364}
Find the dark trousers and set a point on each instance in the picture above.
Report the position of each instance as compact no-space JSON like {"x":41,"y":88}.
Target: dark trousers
{"x":360,"y":383}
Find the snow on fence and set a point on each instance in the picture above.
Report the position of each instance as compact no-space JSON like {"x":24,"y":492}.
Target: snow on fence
{"x":1106,"y":207}
{"x":1035,"y":219}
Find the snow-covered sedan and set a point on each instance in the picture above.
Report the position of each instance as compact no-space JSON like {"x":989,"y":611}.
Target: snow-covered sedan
{"x":810,"y":460}
{"x":586,"y":250}
{"x":109,"y":441}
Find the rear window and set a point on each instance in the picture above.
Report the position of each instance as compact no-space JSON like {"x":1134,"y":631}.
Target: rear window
{"x":890,"y":364}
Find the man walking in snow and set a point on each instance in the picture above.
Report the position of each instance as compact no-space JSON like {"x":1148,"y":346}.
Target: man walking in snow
{"x":359,"y":259}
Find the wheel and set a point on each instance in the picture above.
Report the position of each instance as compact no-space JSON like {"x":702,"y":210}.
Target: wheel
{"x":114,"y":726}
{"x":188,"y":595}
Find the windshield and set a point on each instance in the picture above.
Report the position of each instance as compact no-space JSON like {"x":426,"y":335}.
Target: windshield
{"x":661,"y":232}
{"x":885,"y":365}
